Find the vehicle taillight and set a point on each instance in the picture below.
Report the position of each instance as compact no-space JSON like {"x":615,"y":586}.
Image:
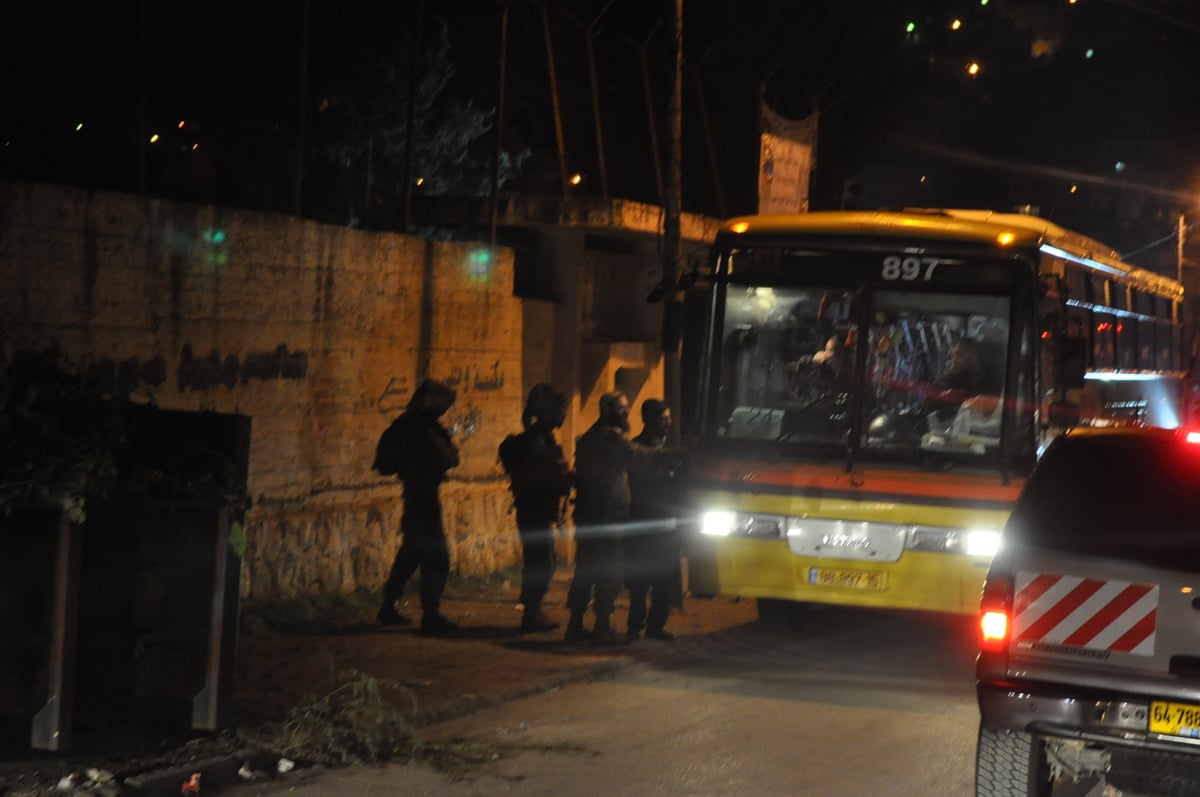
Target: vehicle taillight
{"x":1192,"y":436}
{"x":995,"y":614}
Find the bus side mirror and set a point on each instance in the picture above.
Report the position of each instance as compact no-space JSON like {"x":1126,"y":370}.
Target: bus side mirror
{"x":1074,"y":355}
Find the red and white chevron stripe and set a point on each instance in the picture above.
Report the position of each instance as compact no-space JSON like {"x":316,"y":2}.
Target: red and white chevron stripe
{"x":1088,"y":613}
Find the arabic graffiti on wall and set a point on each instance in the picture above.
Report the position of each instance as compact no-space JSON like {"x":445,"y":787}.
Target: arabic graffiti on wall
{"x":392,"y":400}
{"x":120,"y":378}
{"x":213,"y":370}
{"x":468,"y":378}
{"x":464,"y":423}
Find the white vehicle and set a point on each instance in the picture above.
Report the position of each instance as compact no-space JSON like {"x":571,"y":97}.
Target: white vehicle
{"x":1089,"y":659}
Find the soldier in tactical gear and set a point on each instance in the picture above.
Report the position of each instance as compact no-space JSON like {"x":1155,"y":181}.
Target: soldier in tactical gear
{"x":603,"y":456}
{"x":652,"y":546}
{"x":418,"y":449}
{"x":540,"y":480}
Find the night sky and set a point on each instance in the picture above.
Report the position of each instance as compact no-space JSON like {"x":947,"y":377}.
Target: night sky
{"x":1084,"y":111}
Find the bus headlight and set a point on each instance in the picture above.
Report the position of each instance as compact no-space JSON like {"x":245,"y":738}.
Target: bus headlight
{"x":718,"y":524}
{"x":983,"y":542}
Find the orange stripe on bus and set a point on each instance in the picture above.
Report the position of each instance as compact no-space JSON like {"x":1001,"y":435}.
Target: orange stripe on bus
{"x":892,"y":482}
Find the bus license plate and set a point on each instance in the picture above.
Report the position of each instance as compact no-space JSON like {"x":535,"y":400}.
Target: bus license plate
{"x":853,"y":579}
{"x":1175,"y":719}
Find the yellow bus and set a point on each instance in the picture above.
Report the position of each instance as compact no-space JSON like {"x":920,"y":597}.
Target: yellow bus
{"x":867,"y":391}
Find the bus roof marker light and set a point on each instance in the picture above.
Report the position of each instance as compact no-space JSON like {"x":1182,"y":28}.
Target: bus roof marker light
{"x":740,"y":227}
{"x":1006,"y":238}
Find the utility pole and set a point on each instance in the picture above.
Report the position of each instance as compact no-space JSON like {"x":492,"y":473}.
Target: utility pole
{"x":414,"y":61}
{"x":552,"y":71}
{"x":672,"y":234}
{"x":301,"y":116}
{"x":1179,"y":249}
{"x":497,"y":149}
{"x":143,"y":102}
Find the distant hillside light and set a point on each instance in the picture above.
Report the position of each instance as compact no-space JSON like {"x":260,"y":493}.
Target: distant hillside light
{"x":956,"y":24}
{"x":154,"y":138}
{"x":576,"y":178}
{"x":1090,"y":52}
{"x":973,"y":68}
{"x":910,"y":27}
{"x":1074,"y":188}
{"x":1119,"y":167}
{"x":78,"y":127}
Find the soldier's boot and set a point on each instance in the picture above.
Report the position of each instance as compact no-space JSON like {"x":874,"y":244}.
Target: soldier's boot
{"x":535,"y":621}
{"x":575,"y":631}
{"x":604,"y":633}
{"x":390,"y":615}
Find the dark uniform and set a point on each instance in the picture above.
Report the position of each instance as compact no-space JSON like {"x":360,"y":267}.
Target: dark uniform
{"x":603,"y":456}
{"x":418,"y":449}
{"x":652,"y":546}
{"x":540,"y":479}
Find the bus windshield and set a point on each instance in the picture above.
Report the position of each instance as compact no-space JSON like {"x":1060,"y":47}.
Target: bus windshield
{"x":930,"y":365}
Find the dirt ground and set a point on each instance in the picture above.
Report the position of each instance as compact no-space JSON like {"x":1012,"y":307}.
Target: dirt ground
{"x":290,"y":655}
{"x":487,"y":659}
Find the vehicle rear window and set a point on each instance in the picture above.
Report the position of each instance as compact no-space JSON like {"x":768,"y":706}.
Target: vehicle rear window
{"x":1127,"y":496}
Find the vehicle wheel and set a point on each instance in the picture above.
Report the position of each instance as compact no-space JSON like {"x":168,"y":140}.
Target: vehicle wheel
{"x":1011,"y":764}
{"x":781,"y":613}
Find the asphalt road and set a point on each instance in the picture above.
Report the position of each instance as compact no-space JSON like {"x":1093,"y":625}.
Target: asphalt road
{"x":850,"y":703}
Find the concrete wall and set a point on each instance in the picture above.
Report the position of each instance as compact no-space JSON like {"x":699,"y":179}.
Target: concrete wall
{"x":317,"y":333}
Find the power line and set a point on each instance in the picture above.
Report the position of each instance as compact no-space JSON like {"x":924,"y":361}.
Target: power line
{"x":1173,"y":236}
{"x":1000,"y":164}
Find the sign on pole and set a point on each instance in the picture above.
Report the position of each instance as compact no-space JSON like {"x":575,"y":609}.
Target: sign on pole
{"x":785,"y":162}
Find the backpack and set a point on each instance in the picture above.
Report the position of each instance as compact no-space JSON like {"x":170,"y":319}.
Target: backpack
{"x":392,"y":451}
{"x":532,"y":463}
{"x":518,"y":455}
